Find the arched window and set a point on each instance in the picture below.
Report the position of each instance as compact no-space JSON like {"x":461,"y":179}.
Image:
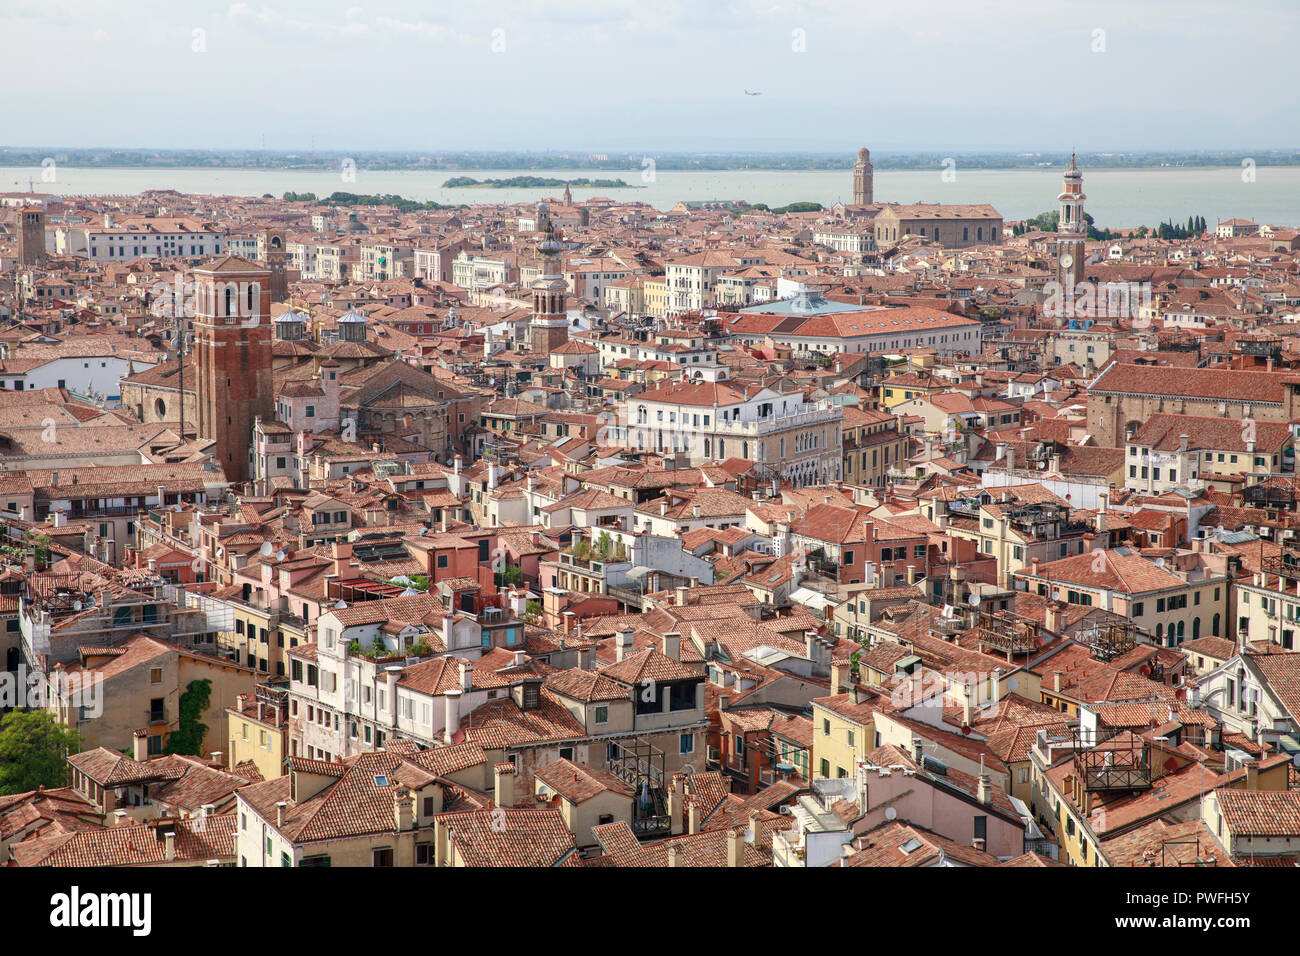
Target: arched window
{"x":230,"y":302}
{"x":1214,"y":625}
{"x":1196,"y":628}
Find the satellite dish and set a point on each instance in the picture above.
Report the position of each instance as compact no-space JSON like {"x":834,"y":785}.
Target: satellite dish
{"x":850,"y":788}
{"x":341,"y":605}
{"x":266,"y":549}
{"x":280,"y":555}
{"x":973,"y":599}
{"x":687,"y":769}
{"x":220,"y":551}
{"x":749,"y":835}
{"x":891,"y":813}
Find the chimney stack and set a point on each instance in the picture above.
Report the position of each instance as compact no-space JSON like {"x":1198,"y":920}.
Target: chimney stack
{"x":280,"y":810}
{"x":673,"y":645}
{"x":141,"y":746}
{"x":735,"y":847}
{"x":623,"y":643}
{"x":505,"y":785}
{"x":453,"y":714}
{"x":840,"y":671}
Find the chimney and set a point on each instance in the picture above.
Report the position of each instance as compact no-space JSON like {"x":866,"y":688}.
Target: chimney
{"x":681,"y":596}
{"x":1252,"y":775}
{"x":448,"y":630}
{"x":455,"y":465}
{"x":695,"y":511}
{"x":672,"y":856}
{"x":622,"y":643}
{"x":280,"y":809}
{"x":169,"y":846}
{"x":61,"y":518}
{"x":911,"y":574}
{"x":673,"y":645}
{"x":840,"y":671}
{"x":1054,"y":617}
{"x":675,"y":806}
{"x":984,"y":792}
{"x":755,"y":825}
{"x":996,"y":688}
{"x":968,"y":705}
{"x":693,"y":818}
{"x":141,"y":742}
{"x":505,"y":785}
{"x":978,"y":843}
{"x":466,"y":676}
{"x":735,"y":847}
{"x":453,"y":714}
{"x":403,"y":810}
{"x":216,"y":758}
{"x":1056,"y":680}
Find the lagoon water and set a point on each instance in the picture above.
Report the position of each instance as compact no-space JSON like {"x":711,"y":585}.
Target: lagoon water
{"x":1117,"y":198}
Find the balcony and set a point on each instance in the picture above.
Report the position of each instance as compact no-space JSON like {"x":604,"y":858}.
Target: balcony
{"x":1285,"y":565}
{"x":1007,"y":636}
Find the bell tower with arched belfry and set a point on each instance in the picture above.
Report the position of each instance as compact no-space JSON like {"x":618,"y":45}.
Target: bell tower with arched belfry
{"x":276,"y":257}
{"x":863,"y":176}
{"x":549,"y":324}
{"x":232,"y":357}
{"x":1071,"y":229}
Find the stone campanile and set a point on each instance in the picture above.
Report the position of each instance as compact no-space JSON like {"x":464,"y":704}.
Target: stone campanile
{"x":1071,"y":230}
{"x":863,"y":187}
{"x":232,"y":357}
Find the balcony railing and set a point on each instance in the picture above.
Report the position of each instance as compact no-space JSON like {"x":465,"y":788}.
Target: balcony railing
{"x":1285,"y":565}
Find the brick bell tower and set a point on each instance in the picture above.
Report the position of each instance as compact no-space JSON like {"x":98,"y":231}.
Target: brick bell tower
{"x":549,"y":323}
{"x":863,"y":176}
{"x":276,"y":258}
{"x":232,"y":357}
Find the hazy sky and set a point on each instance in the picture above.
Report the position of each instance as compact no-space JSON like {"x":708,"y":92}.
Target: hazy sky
{"x":650,"y":74}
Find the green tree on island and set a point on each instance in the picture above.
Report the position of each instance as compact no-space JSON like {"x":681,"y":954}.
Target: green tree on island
{"x":33,"y":751}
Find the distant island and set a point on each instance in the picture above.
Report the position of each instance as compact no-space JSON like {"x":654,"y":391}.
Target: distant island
{"x":534,"y":182}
